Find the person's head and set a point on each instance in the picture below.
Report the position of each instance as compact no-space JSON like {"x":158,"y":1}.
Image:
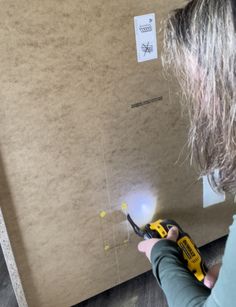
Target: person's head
{"x":200,"y":46}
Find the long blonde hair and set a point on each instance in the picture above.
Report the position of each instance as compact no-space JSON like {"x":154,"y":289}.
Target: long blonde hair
{"x":200,"y":47}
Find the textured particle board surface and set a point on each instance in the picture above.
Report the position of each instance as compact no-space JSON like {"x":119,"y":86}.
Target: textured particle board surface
{"x":71,"y":145}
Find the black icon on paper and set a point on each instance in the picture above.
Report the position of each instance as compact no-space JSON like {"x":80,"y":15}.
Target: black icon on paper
{"x":147,"y":48}
{"x":145,"y":28}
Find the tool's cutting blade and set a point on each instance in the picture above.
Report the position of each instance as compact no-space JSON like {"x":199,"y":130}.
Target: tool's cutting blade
{"x":136,"y":229}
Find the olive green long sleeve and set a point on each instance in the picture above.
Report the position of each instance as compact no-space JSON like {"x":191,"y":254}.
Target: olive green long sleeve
{"x":182,"y":289}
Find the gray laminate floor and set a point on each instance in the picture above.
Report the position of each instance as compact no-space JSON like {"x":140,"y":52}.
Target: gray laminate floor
{"x":143,"y":290}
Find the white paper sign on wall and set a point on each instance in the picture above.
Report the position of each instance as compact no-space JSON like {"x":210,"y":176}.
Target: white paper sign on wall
{"x":210,"y":197}
{"x":146,"y":38}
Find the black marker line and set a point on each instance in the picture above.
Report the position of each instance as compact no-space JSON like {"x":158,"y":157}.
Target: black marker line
{"x":143,"y":103}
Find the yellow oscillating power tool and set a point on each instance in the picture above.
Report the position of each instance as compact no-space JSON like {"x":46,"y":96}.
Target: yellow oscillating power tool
{"x":190,"y":252}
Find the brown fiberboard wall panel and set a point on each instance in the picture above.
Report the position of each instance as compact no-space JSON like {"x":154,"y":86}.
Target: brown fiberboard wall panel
{"x":72,"y":146}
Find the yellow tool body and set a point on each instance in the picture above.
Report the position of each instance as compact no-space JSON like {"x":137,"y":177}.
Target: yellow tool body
{"x":190,"y":252}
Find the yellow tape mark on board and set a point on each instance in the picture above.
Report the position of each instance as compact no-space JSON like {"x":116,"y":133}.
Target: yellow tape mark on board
{"x":124,"y":206}
{"x":106,"y":247}
{"x":103,"y":214}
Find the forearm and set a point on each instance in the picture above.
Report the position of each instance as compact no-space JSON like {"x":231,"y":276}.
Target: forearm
{"x":181,"y":288}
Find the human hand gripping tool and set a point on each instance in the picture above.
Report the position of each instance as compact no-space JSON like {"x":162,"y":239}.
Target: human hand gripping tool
{"x":190,"y":252}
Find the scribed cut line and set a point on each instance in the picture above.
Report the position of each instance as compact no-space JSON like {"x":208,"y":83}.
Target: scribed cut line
{"x":124,"y":207}
{"x":110,"y":207}
{"x":143,"y":103}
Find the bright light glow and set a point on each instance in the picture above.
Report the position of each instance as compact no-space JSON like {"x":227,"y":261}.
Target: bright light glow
{"x":141,"y":207}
